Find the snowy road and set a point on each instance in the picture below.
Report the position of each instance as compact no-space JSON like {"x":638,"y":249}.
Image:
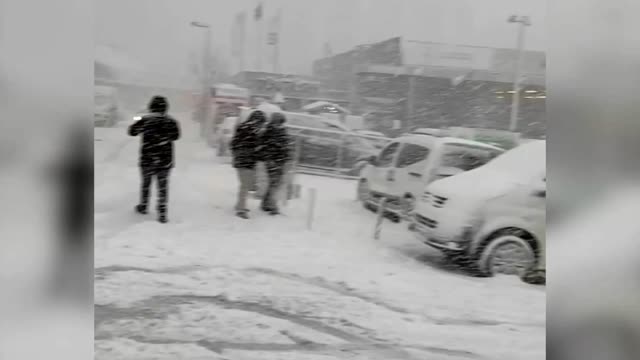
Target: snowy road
{"x":212,"y":286}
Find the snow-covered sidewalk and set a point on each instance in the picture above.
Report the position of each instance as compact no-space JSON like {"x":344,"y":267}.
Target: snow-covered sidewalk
{"x":212,"y":286}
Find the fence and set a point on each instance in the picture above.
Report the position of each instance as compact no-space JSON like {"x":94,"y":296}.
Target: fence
{"x":333,"y":152}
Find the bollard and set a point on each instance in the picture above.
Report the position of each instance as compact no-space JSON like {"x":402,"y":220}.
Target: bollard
{"x":340,"y":154}
{"x":380,"y":218}
{"x":311,"y":209}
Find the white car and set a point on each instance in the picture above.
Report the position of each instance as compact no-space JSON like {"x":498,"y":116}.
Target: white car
{"x":403,"y":168}
{"x":493,"y":217}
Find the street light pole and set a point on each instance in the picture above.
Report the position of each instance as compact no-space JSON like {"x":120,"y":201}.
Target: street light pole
{"x":410,"y":97}
{"x":523,"y":22}
{"x":206,"y":74}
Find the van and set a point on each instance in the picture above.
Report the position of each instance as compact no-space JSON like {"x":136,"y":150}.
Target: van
{"x":493,"y":217}
{"x":403,"y":168}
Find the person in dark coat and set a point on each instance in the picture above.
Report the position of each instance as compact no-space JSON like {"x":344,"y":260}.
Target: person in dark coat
{"x":159,"y":131}
{"x":276,"y":153}
{"x":244,"y":149}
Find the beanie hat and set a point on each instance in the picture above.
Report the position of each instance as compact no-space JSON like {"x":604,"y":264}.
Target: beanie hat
{"x":158,"y":104}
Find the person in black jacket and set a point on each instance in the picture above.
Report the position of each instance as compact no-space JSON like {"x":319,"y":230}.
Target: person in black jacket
{"x":244,"y":148}
{"x":276,"y":153}
{"x":159,"y":131}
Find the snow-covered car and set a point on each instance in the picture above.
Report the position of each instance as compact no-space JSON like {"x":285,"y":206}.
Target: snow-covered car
{"x":402,"y":170}
{"x":492,"y":216}
{"x":225,"y":133}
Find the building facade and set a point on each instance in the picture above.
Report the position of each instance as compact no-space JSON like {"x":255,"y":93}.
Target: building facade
{"x":296,"y":91}
{"x":425,"y":84}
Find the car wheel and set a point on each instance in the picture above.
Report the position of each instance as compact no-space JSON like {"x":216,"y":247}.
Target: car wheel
{"x":456,"y":258}
{"x":535,"y":277}
{"x":506,"y":253}
{"x":364,"y":193}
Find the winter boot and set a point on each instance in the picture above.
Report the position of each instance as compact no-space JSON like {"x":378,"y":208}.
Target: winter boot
{"x":242,"y":214}
{"x":535,"y":277}
{"x":162,"y":218}
{"x":141,"y":209}
{"x":274,"y":212}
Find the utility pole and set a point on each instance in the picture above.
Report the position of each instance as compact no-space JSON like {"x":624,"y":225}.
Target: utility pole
{"x":276,"y":55}
{"x":274,"y":41}
{"x":412,"y":74}
{"x":410,"y":106}
{"x":206,"y":76}
{"x":257,"y":16}
{"x":523,"y":22}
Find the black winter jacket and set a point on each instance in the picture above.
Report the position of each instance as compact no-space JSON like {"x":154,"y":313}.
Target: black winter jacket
{"x":244,"y":145}
{"x":276,"y":145}
{"x":158,"y":134}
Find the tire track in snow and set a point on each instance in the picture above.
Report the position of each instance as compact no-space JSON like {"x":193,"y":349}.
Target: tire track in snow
{"x":370,"y":350}
{"x":159,"y":307}
{"x":338,"y":288}
{"x":343,"y":290}
{"x":103,"y":271}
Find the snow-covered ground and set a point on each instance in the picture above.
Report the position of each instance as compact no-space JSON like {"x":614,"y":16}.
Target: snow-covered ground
{"x":209,"y":285}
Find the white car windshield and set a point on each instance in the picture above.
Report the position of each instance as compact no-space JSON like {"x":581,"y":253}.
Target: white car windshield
{"x":466,"y":157}
{"x":526,"y":160}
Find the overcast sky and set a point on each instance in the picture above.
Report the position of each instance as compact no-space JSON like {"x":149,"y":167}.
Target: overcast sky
{"x":157,"y":34}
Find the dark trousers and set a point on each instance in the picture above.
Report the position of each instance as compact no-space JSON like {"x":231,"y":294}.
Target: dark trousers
{"x":162,"y":177}
{"x":275,"y":171}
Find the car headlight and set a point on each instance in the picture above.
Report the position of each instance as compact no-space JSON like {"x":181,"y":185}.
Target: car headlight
{"x":136,"y":118}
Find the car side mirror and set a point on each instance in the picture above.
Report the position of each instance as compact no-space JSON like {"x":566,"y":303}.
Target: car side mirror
{"x":373,"y":160}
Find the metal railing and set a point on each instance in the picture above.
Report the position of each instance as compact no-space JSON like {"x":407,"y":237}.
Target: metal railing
{"x":332,"y":152}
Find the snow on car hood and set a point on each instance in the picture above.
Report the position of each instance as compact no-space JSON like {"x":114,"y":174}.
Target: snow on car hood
{"x":478,"y":184}
{"x":511,"y":169}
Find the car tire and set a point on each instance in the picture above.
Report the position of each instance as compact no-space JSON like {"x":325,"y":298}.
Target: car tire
{"x":494,"y":256}
{"x":535,"y":277}
{"x":457,"y":258}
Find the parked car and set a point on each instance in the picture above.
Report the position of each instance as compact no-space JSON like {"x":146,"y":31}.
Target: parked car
{"x":493,"y":217}
{"x":325,"y":143}
{"x":225,"y":133}
{"x":403,"y":168}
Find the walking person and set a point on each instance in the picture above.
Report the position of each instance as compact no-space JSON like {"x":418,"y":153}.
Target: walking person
{"x":244,"y":149}
{"x":276,"y":153}
{"x":159,"y":131}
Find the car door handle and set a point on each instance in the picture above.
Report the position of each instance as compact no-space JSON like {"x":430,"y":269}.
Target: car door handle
{"x":418,"y":175}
